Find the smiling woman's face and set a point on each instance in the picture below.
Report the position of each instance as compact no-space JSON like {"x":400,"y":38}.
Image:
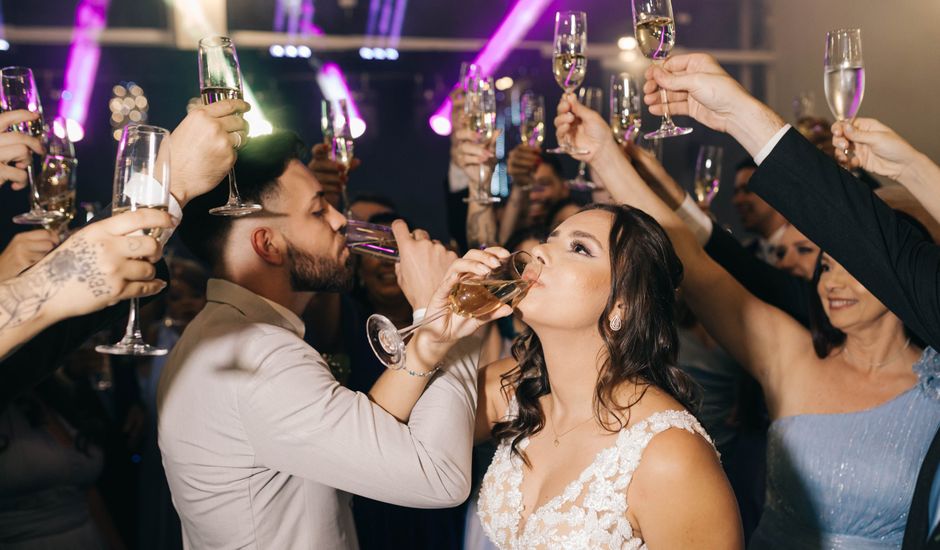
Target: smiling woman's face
{"x":847,"y":303}
{"x":574,"y":286}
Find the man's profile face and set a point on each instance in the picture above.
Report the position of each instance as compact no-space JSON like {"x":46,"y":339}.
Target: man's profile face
{"x":313,"y":231}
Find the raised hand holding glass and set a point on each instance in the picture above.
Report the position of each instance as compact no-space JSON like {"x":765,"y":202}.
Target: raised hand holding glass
{"x":220,"y":78}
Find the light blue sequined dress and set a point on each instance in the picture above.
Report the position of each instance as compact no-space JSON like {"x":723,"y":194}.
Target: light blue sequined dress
{"x":845,"y":481}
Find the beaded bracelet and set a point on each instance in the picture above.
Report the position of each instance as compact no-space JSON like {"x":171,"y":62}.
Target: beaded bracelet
{"x":410,"y":372}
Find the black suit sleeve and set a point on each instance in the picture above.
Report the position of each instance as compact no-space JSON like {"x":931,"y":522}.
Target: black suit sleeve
{"x":774,"y":286}
{"x":456,"y":214}
{"x":893,"y":260}
{"x":41,"y":356}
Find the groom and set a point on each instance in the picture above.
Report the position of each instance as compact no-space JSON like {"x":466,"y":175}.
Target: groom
{"x":262,"y":446}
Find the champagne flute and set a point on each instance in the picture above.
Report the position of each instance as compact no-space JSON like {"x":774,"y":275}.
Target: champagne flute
{"x":18,"y":91}
{"x":219,"y":79}
{"x":592,"y":98}
{"x":470,"y":297}
{"x":569,"y":63}
{"x":844,"y":74}
{"x":141,"y":180}
{"x":57,"y":181}
{"x":707,"y":173}
{"x":370,"y":239}
{"x":468,"y":73}
{"x":342,"y":146}
{"x":655,"y":31}
{"x":532,"y":115}
{"x":326,"y":121}
{"x":480,"y":110}
{"x":625,"y":113}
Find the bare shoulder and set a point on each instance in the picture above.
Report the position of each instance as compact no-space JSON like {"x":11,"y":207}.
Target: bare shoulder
{"x":679,"y":496}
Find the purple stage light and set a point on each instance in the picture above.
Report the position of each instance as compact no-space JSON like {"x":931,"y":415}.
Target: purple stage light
{"x":513,"y":29}
{"x":90,"y":19}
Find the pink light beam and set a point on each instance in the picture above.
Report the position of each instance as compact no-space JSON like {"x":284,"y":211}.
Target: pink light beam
{"x":510,"y":32}
{"x":90,"y":19}
{"x":333,"y":85}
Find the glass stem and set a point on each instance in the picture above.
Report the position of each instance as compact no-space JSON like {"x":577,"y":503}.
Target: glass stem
{"x":406,"y":332}
{"x":667,"y":119}
{"x":582,"y":169}
{"x":33,"y":189}
{"x":133,"y":322}
{"x":233,"y":196}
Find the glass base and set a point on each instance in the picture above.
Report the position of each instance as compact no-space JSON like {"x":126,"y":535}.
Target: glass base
{"x":667,"y":132}
{"x":483,"y":200}
{"x":386,"y":342}
{"x":131,"y":346}
{"x":236,"y":209}
{"x":565,"y":150}
{"x":581,"y":185}
{"x":37,"y":217}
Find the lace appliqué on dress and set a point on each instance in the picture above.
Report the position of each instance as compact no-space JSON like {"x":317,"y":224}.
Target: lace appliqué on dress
{"x":591,"y":512}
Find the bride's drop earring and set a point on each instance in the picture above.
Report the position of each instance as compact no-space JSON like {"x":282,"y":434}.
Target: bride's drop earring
{"x":616,"y":323}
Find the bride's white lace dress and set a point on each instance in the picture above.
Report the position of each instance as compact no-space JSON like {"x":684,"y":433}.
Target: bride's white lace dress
{"x":591,"y":513}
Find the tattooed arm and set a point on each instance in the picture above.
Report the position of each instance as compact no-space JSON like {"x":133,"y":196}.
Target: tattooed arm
{"x":98,"y":266}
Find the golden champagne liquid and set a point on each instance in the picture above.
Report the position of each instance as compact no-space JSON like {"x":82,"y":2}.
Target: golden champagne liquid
{"x":625,"y":127}
{"x":569,"y":70}
{"x":211,"y":95}
{"x":475,"y":298}
{"x":532,"y":133}
{"x":656,"y":37}
{"x":55,"y":189}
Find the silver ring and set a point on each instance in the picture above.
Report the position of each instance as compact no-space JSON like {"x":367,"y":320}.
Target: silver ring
{"x":239,"y":144}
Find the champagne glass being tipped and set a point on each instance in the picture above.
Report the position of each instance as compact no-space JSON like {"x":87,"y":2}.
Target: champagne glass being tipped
{"x":707,"y":174}
{"x":141,"y":180}
{"x":18,"y":91}
{"x":569,"y":61}
{"x":844,"y":74}
{"x":592,"y":98}
{"x":625,"y":113}
{"x":470,"y":297}
{"x":480,"y":112}
{"x":655,"y":31}
{"x":371,"y":239}
{"x":220,"y":78}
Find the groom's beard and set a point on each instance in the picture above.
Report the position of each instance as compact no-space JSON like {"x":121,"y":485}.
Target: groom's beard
{"x":309,"y":273}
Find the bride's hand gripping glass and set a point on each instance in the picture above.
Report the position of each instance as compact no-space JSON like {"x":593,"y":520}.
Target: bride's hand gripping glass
{"x":468,"y":292}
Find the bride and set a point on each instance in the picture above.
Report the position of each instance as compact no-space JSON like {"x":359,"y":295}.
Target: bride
{"x":596,"y":447}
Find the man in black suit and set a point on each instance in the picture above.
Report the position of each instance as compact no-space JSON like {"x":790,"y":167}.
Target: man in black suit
{"x":884,"y":252}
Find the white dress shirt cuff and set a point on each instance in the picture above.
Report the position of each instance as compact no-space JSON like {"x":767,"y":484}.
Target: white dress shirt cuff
{"x":457,"y":179}
{"x":696,"y":220}
{"x":769,"y":146}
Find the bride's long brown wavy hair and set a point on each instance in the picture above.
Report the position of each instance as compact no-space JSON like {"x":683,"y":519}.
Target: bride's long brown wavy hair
{"x":645,"y":273}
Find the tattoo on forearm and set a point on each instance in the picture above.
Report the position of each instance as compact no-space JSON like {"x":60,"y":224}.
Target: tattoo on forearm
{"x":22,"y":297}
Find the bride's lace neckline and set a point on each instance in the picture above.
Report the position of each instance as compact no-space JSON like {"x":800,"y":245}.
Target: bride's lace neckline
{"x":591,"y":510}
